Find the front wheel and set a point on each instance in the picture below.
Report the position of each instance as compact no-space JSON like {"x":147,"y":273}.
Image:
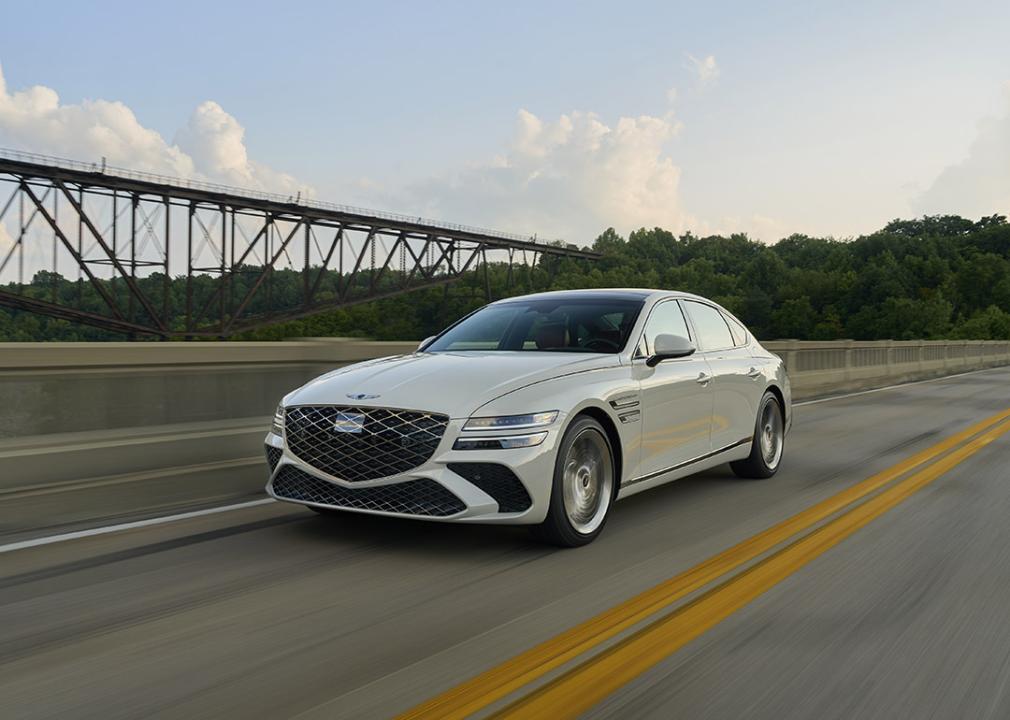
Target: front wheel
{"x":583,"y":486}
{"x":768,"y":443}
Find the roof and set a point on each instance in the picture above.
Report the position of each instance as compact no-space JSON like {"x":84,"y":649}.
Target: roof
{"x":591,"y":293}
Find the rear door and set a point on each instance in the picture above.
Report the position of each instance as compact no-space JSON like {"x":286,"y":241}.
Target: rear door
{"x":733,"y":404}
{"x":676,"y":397}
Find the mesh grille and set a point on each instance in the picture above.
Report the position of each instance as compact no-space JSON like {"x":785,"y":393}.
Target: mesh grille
{"x":414,"y":497}
{"x":273,"y":456}
{"x":375,"y":443}
{"x":497,"y":481}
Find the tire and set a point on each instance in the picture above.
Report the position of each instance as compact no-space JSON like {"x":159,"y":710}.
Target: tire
{"x":583,"y":487}
{"x":768,"y":444}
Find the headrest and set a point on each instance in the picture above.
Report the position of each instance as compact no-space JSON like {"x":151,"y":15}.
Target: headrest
{"x":550,"y":336}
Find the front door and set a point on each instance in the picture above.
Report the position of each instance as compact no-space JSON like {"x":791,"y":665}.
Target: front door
{"x":676,"y":397}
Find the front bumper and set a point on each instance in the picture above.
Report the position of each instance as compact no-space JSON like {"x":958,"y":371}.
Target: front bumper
{"x":439,"y":489}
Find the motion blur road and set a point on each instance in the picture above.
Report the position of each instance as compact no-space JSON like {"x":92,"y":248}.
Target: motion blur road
{"x":272,"y":611}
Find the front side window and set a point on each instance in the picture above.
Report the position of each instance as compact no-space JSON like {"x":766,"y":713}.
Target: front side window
{"x":591,"y":325}
{"x":665,"y":319}
{"x":713,"y":333}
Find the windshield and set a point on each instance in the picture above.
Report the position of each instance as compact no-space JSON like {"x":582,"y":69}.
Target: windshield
{"x":596,"y":326}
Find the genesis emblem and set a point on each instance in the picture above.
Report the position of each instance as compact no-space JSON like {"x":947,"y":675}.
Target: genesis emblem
{"x":349,"y":422}
{"x":361,"y":396}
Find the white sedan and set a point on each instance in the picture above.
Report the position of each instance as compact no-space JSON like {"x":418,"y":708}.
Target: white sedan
{"x":539,"y":410}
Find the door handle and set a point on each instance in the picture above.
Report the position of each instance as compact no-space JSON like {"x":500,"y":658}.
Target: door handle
{"x":704,"y":379}
{"x":754,"y":373}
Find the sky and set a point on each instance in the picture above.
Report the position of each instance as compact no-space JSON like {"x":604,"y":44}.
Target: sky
{"x":554,"y":118}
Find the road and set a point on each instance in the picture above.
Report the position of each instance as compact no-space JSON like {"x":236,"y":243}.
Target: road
{"x":271,"y":611}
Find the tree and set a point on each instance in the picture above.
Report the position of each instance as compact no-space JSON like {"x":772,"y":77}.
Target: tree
{"x":930,"y":277}
{"x":992,"y":323}
{"x":794,"y":318}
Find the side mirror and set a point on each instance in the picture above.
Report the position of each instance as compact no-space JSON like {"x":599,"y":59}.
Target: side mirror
{"x":425,"y":342}
{"x":668,"y":347}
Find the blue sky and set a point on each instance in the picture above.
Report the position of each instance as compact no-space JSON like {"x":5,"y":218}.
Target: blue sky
{"x":825,"y":118}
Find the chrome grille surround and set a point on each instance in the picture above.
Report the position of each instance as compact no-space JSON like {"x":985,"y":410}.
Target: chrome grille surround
{"x":389,"y":442}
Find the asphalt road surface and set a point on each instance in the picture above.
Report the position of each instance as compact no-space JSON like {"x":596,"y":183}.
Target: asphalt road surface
{"x":897,"y":606}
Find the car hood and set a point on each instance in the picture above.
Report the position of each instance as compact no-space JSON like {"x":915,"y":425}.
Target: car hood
{"x":455,"y":384}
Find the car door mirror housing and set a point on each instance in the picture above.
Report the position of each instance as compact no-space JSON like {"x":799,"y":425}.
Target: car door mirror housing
{"x":668,"y":347}
{"x":424,"y":342}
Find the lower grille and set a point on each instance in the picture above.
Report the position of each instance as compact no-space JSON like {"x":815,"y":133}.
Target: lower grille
{"x":273,"y":456}
{"x":497,"y":481}
{"x":414,"y":497}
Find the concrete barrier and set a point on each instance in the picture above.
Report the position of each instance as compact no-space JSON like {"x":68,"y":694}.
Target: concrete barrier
{"x":823,"y":368}
{"x":104,"y":414}
{"x":48,"y":388}
{"x":97,"y":432}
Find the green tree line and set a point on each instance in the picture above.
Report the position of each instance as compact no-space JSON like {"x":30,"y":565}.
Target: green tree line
{"x":930,"y":278}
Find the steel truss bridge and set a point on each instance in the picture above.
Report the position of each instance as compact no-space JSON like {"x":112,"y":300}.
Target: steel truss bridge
{"x":124,"y":235}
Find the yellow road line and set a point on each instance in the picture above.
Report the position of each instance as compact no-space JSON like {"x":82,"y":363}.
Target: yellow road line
{"x":504,"y":679}
{"x":586,"y":685}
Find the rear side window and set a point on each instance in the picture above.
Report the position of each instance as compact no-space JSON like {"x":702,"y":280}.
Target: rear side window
{"x":666,"y":318}
{"x":737,"y":330}
{"x":713,"y":332}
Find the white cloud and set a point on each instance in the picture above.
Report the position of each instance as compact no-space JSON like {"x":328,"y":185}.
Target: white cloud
{"x":210,"y":146}
{"x":568,"y":178}
{"x":216,"y":142}
{"x":6,"y":242}
{"x":705,"y":69}
{"x":978,"y":185}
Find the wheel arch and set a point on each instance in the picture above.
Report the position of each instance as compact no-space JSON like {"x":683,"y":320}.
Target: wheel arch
{"x":603,"y":417}
{"x":780,"y":396}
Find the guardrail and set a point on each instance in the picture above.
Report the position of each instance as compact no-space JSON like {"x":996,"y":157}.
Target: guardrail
{"x":173,"y":425}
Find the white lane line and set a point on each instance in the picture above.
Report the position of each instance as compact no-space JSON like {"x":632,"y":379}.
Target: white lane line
{"x":35,"y":542}
{"x":829,"y":398}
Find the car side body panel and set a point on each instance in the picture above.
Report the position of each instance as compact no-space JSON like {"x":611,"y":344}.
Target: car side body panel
{"x":676,"y":412}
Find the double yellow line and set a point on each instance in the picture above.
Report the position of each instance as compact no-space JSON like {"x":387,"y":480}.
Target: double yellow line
{"x":586,"y":684}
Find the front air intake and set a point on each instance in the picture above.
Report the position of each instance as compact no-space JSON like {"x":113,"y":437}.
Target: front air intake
{"x":497,"y":481}
{"x":414,"y":497}
{"x":273,"y":456}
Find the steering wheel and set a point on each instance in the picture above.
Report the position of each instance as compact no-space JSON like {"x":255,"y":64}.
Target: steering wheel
{"x":595,"y":343}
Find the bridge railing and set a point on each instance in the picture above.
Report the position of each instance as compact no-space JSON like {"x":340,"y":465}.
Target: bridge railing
{"x":824,"y":367}
{"x":297,"y":198}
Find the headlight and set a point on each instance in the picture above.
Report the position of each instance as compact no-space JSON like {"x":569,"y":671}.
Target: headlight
{"x":500,"y":443}
{"x":278,"y":425}
{"x":511,"y":422}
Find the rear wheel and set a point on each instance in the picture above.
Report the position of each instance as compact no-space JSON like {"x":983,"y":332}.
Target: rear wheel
{"x":768,"y":444}
{"x":583,"y":486}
